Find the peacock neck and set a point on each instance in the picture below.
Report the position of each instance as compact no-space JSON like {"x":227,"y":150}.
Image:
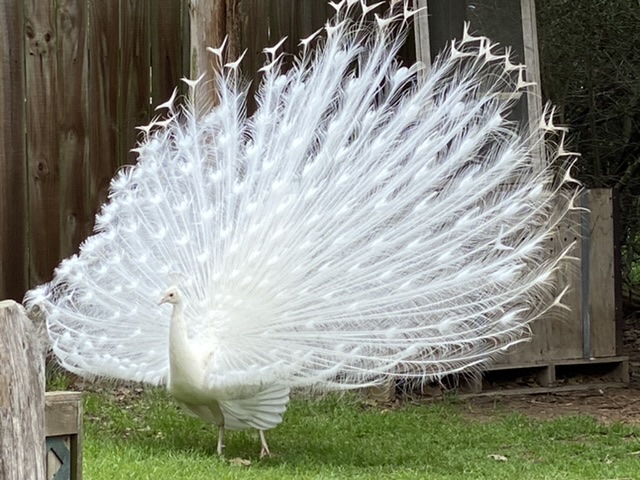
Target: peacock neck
{"x":181,"y":357}
{"x":177,"y":328}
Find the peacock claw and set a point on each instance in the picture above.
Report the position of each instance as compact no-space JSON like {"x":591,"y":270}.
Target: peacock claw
{"x":264,"y":451}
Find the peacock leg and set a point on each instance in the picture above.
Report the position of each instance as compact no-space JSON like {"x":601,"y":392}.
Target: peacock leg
{"x":264,"y":452}
{"x":220,"y":440}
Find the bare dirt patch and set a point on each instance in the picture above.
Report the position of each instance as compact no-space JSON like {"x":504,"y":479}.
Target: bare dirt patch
{"x":607,"y":405}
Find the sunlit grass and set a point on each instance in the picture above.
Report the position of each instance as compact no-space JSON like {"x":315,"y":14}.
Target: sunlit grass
{"x":144,"y":435}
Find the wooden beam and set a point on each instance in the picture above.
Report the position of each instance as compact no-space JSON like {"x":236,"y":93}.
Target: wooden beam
{"x":207,"y":28}
{"x":532,"y":61}
{"x":76,"y":218}
{"x":21,"y":396}
{"x":602,"y":298}
{"x":63,"y":419}
{"x":103,"y":42}
{"x":421,"y":27}
{"x":166,"y":49}
{"x":13,"y":166}
{"x":134,"y":67}
{"x":42,"y":138}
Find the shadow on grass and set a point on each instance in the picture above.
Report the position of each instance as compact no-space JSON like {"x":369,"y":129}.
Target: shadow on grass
{"x":341,"y":437}
{"x":333,"y":431}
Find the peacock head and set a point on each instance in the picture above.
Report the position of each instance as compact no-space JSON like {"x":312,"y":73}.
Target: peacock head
{"x":171,"y":295}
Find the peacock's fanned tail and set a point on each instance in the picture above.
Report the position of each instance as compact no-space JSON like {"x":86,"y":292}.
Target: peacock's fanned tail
{"x":370,"y":219}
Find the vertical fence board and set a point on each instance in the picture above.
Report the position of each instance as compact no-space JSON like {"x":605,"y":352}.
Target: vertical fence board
{"x":565,"y":337}
{"x":13,"y":177}
{"x":234,"y":10}
{"x":21,"y":397}
{"x":265,"y":23}
{"x":207,"y":28}
{"x":602,"y":276}
{"x":103,"y":41}
{"x":42,"y":138}
{"x":166,"y":39}
{"x":135,"y":74}
{"x":254,"y":37}
{"x":76,"y":217}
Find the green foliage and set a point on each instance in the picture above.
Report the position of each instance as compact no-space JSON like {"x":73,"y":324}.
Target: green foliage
{"x":590,"y":64}
{"x":56,"y":379}
{"x":146,"y":436}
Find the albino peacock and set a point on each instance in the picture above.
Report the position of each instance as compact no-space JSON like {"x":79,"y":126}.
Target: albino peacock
{"x":364,"y":223}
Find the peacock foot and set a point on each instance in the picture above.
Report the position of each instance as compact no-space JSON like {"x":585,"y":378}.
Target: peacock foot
{"x":264,"y":451}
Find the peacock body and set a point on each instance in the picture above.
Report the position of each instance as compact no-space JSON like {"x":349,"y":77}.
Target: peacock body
{"x":366,"y":221}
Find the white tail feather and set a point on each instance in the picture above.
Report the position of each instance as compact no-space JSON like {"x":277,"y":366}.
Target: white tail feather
{"x":359,"y":224}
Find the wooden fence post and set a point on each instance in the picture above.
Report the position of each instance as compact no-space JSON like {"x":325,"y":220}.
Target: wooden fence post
{"x":13,"y":167}
{"x":22,"y":432}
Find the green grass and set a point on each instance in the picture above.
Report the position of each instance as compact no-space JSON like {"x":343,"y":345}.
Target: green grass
{"x":145,"y":436}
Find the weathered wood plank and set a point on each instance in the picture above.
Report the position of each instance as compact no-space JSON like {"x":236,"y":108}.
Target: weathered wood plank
{"x":76,"y":219}
{"x":558,"y":335}
{"x":565,"y":336}
{"x":103,"y":42}
{"x":533,"y":351}
{"x":532,"y":61}
{"x":602,"y":278}
{"x":21,"y":397}
{"x":208,"y":28}
{"x":617,"y":269}
{"x":255,"y":37}
{"x":422,"y":40}
{"x":63,"y":418}
{"x":265,"y":23}
{"x":234,"y":10}
{"x":63,"y":413}
{"x":42,"y":139}
{"x":13,"y":164}
{"x":166,"y":48}
{"x":135,"y":75}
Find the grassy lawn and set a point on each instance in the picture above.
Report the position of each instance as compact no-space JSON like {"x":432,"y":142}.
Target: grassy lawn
{"x":145,"y":436}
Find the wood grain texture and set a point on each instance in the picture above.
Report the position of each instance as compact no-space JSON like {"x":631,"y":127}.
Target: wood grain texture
{"x":558,"y":335}
{"x":565,"y":336}
{"x":532,"y":61}
{"x":255,"y":37}
{"x":63,"y":417}
{"x":102,"y":93}
{"x":166,"y":37}
{"x":135,"y":75}
{"x":617,"y":269}
{"x":602,"y":305}
{"x":422,"y":40}
{"x":207,"y":28}
{"x":76,"y":217}
{"x":63,"y":413}
{"x":21,"y":397}
{"x":42,"y":138}
{"x":265,"y":23}
{"x":13,"y":165}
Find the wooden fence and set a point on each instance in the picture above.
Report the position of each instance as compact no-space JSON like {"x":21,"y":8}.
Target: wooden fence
{"x":76,"y":77}
{"x":40,"y":434}
{"x":22,"y":436}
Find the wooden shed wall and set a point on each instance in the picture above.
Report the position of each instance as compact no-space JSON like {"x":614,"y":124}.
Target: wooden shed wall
{"x":77,"y":76}
{"x":589,"y":327}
